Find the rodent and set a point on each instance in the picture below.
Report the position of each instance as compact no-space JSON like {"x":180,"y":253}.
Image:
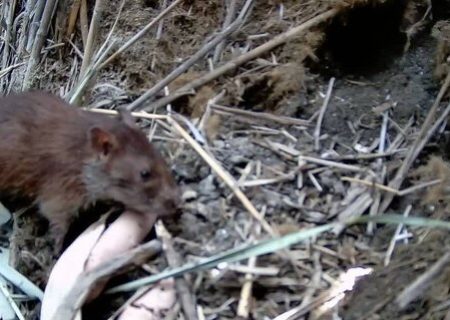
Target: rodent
{"x":66,"y":159}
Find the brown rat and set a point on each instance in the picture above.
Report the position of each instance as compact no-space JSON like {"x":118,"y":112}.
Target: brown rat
{"x":66,"y":159}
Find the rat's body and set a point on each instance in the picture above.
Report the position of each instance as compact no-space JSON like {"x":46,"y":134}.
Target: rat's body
{"x":67,"y":159}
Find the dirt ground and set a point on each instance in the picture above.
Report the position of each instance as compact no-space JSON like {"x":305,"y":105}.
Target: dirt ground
{"x":364,"y":48}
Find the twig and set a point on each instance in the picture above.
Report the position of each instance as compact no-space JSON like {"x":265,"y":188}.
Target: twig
{"x":73,"y":17}
{"x":399,"y":228}
{"x":11,"y":301}
{"x":391,"y":190}
{"x":192,"y":60}
{"x":5,"y":71}
{"x":23,"y":34}
{"x":243,"y":309}
{"x":84,"y":24}
{"x":354,"y":210}
{"x":159,"y":30}
{"x":368,"y":156}
{"x":231,"y":12}
{"x":11,"y":5}
{"x":92,"y":35}
{"x":233,"y":64}
{"x":374,"y":209}
{"x":39,"y":42}
{"x":334,"y":164}
{"x":186,"y":298}
{"x":322,"y":114}
{"x":422,"y":283}
{"x":78,"y":294}
{"x":39,"y":9}
{"x":425,"y":134}
{"x":140,"y":114}
{"x":261,"y":115}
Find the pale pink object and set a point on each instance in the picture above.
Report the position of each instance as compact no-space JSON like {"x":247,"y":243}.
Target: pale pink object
{"x":90,"y":249}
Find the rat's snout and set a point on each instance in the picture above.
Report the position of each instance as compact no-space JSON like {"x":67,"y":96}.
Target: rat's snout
{"x":170,"y":199}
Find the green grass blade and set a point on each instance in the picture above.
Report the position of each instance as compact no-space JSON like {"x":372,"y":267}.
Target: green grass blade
{"x":274,"y":244}
{"x":233,"y":255}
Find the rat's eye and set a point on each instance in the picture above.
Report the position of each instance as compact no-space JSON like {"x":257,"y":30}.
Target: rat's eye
{"x":145,"y":175}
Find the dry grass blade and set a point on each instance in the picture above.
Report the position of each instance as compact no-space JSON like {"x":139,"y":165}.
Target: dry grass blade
{"x":35,"y":24}
{"x":93,"y":32}
{"x":39,"y":42}
{"x":14,"y":306}
{"x":73,"y":17}
{"x":140,"y":114}
{"x":322,"y":114}
{"x":231,"y":12}
{"x":244,"y":305}
{"x":11,"y":5}
{"x":260,"y":115}
{"x":233,"y":64}
{"x":84,"y":23}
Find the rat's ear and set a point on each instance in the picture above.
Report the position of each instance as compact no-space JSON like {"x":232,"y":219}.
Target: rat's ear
{"x":102,"y":141}
{"x":126,"y":117}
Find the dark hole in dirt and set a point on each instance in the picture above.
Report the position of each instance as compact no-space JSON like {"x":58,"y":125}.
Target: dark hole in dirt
{"x":255,"y":94}
{"x":440,"y":9}
{"x":364,"y":40}
{"x":154,"y":4}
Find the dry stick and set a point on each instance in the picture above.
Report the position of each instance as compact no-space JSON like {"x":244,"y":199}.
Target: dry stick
{"x":381,"y":169}
{"x":159,"y":30}
{"x":422,"y":283}
{"x":141,"y":33}
{"x":390,"y":250}
{"x":424,"y":135}
{"x":322,"y":114}
{"x":4,"y":290}
{"x":261,"y":115}
{"x":73,"y":17}
{"x":185,"y":296}
{"x":233,"y":64}
{"x":192,"y":60}
{"x":141,"y":114}
{"x":7,"y":37}
{"x":5,"y":71}
{"x":39,"y":42}
{"x":23,"y":32}
{"x":224,"y":175}
{"x":391,"y":190}
{"x":78,"y":294}
{"x":84,"y":24}
{"x":40,"y":5}
{"x":231,"y":12}
{"x":243,"y":309}
{"x":89,"y":48}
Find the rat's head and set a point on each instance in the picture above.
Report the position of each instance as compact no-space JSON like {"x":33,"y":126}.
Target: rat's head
{"x":128,"y":169}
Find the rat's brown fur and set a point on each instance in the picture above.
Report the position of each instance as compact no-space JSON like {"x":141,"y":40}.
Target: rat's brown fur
{"x":67,"y":159}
